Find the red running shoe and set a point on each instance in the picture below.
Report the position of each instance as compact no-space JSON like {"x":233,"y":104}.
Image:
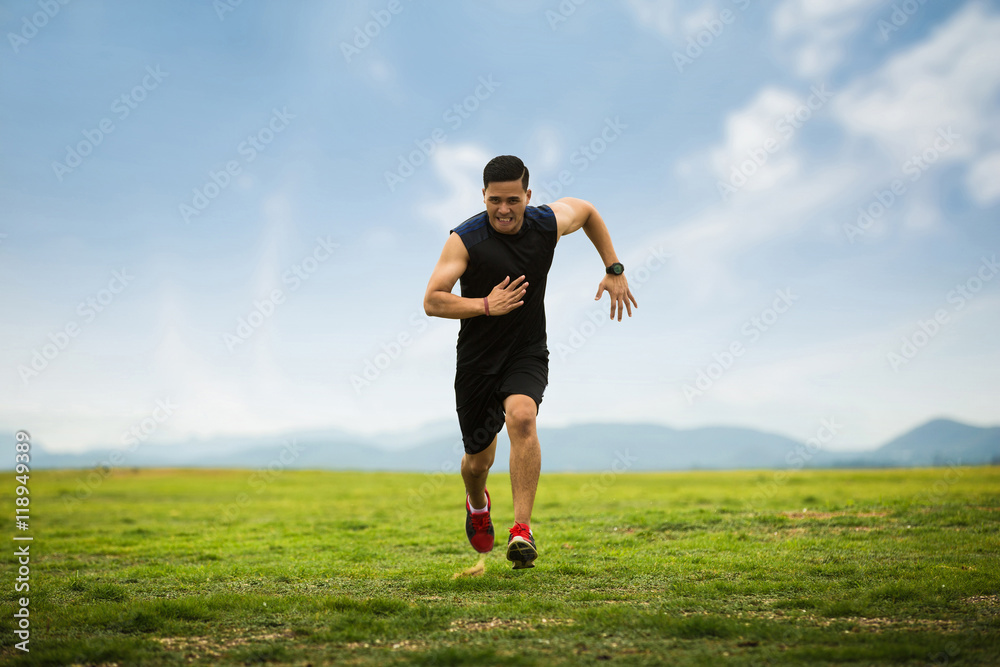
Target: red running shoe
{"x":478,"y":527}
{"x":521,"y":547}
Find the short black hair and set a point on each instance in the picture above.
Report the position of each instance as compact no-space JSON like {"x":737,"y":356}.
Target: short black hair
{"x":505,"y":168}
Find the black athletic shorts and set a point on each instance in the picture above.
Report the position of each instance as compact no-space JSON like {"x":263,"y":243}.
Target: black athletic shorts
{"x":479,"y":398}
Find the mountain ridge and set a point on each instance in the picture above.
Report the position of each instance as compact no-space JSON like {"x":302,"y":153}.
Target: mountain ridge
{"x":574,"y":448}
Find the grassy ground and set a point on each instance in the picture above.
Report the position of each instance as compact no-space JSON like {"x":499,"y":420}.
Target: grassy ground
{"x":242,"y":567}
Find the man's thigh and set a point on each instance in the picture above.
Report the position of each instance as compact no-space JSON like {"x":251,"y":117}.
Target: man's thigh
{"x":480,"y":410}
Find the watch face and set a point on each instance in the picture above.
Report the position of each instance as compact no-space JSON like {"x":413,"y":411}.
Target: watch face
{"x":618,"y":269}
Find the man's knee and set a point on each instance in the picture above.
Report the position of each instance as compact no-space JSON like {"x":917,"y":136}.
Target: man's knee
{"x":478,"y":464}
{"x":521,"y":415}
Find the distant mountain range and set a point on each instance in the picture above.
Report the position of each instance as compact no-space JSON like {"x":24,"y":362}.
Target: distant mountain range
{"x":587,"y":447}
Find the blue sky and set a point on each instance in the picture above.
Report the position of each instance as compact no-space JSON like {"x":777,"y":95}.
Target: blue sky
{"x":170,"y":170}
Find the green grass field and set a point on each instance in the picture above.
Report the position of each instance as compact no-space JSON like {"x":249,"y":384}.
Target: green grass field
{"x":172,"y":567}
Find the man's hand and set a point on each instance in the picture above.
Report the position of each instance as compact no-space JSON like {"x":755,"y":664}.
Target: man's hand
{"x":617,"y":289}
{"x":507,"y":296}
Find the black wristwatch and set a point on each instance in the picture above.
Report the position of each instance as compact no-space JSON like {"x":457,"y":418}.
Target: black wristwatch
{"x":615,"y":269}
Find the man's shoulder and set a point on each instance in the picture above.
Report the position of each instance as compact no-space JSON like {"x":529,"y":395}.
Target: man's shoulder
{"x":475,"y":222}
{"x":541,"y":217}
{"x":473,"y":230}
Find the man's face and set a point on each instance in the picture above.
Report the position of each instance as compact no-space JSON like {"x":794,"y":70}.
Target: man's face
{"x":505,"y":202}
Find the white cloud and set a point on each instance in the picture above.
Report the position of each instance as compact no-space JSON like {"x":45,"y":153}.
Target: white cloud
{"x":667,"y":17}
{"x":279,"y":224}
{"x":460,"y":168}
{"x":951,"y":80}
{"x":796,"y":15}
{"x":984,"y":179}
{"x":708,"y":245}
{"x":696,"y":20}
{"x":774,"y":199}
{"x":814,"y":31}
{"x":548,"y":149}
{"x":380,"y":71}
{"x":900,"y":106}
{"x":660,"y":16}
{"x":749,"y":132}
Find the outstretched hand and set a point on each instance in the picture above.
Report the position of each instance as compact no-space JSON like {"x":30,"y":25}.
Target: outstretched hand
{"x":507,"y":296}
{"x":621,"y":295}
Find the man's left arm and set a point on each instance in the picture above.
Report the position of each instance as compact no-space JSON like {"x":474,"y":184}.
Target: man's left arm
{"x":573,"y":214}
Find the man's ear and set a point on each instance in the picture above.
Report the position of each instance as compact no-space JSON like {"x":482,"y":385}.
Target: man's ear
{"x":484,"y":195}
{"x":527,"y":198}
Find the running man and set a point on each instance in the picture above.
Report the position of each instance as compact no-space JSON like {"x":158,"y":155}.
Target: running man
{"x":502,"y":257}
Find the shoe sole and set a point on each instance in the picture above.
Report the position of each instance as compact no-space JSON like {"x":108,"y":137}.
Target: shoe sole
{"x":521,"y":553}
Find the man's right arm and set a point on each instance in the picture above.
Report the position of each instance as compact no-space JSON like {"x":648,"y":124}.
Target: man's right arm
{"x":440,"y":302}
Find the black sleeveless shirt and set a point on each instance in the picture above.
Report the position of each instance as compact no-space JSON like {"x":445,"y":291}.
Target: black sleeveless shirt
{"x":486,"y":343}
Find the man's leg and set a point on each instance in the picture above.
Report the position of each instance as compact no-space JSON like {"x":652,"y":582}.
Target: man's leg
{"x":525,"y":454}
{"x":475,"y":469}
